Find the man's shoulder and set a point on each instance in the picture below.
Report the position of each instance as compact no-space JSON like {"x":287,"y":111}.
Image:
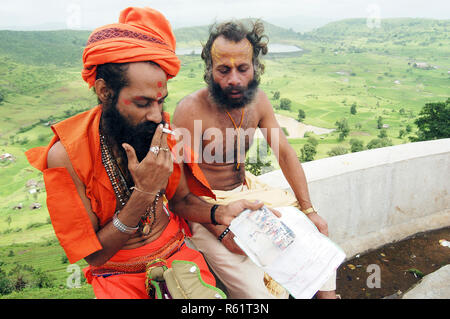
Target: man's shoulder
{"x":195,"y":99}
{"x":193,"y":104}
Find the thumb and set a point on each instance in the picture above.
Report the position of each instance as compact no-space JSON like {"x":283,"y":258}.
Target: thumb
{"x":131,"y":155}
{"x":253,"y":205}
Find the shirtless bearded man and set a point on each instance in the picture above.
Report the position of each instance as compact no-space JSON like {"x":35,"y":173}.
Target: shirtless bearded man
{"x":233,"y":101}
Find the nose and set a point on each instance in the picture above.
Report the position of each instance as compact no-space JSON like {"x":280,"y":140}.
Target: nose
{"x":234,"y":78}
{"x":154,"y":113}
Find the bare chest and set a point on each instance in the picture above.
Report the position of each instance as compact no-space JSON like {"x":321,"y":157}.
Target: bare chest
{"x":227,"y":136}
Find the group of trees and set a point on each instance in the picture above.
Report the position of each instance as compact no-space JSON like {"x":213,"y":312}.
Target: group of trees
{"x":433,"y":123}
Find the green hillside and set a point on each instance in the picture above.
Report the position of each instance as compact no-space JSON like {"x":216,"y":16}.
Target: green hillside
{"x":388,"y":72}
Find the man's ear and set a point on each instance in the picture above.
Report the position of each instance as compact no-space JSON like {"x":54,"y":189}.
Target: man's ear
{"x":103,"y":92}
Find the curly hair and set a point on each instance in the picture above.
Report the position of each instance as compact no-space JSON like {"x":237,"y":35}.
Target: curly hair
{"x":236,"y":31}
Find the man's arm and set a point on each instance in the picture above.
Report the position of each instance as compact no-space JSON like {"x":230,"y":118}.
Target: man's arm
{"x":109,"y":237}
{"x":192,"y":208}
{"x":287,"y":158}
{"x":149,"y":175}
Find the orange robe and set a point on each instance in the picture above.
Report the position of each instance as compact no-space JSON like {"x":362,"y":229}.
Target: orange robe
{"x":73,"y":228}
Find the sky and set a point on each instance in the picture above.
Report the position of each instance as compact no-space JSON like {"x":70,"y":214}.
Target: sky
{"x":298,"y":14}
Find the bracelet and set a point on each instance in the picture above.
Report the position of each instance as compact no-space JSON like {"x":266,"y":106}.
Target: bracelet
{"x":225,"y":232}
{"x":122,"y":227}
{"x":213,"y":215}
{"x":309,"y":211}
{"x":139,"y":190}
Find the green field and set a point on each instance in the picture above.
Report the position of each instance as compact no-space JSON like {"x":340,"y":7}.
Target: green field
{"x":343,"y":63}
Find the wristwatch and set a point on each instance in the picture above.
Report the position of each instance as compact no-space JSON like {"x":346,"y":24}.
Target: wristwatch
{"x":309,"y":211}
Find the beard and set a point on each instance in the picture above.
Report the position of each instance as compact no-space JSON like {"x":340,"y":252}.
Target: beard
{"x":118,"y":129}
{"x":222,"y":96}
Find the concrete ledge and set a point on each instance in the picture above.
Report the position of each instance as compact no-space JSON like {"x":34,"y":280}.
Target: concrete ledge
{"x":432,"y":286}
{"x":379,"y":196}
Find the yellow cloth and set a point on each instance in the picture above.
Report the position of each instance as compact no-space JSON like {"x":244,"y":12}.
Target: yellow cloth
{"x":253,"y":190}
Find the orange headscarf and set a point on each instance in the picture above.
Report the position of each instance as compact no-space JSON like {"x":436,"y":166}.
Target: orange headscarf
{"x":142,"y":34}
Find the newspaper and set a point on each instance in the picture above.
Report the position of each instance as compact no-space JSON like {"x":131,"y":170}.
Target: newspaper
{"x":290,"y":249}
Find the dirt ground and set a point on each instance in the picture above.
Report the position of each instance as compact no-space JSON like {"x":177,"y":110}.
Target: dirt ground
{"x":401,"y":266}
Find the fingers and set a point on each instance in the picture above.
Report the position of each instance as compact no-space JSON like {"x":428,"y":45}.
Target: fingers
{"x":164,"y":137}
{"x":131,"y":155}
{"x":253,"y":205}
{"x":156,"y":140}
{"x":275,"y":212}
{"x":164,"y":148}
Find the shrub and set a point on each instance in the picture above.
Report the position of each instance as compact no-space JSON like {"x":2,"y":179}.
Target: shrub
{"x":379,"y":142}
{"x":356,"y":145}
{"x":337,"y":150}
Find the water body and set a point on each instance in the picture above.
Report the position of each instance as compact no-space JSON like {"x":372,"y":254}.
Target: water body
{"x":273,"y":48}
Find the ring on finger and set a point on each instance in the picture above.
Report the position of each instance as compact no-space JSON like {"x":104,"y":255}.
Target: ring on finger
{"x":155,"y":149}
{"x":165,"y":149}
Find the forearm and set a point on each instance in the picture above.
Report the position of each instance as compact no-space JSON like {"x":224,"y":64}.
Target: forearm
{"x":295,"y":175}
{"x":112,"y":239}
{"x":192,"y":208}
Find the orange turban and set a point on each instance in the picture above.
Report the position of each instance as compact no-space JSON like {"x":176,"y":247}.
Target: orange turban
{"x":142,"y":34}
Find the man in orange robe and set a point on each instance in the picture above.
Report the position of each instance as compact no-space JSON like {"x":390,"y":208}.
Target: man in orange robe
{"x":107,"y":170}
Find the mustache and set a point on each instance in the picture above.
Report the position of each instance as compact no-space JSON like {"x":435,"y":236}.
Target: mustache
{"x":234,"y":89}
{"x":122,"y":131}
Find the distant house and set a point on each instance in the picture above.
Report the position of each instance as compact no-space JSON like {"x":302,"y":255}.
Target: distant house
{"x":422,"y":65}
{"x":7,"y":157}
{"x":385,"y":125}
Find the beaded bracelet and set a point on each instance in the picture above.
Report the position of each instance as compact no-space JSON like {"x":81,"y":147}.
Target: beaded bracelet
{"x":225,"y":232}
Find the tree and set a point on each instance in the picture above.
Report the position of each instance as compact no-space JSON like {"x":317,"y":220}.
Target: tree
{"x":353,"y":109}
{"x":262,"y":163}
{"x":285,"y":104}
{"x":276,"y":95}
{"x":433,"y":121}
{"x":301,"y":115}
{"x":356,"y":145}
{"x":383,"y":133}
{"x":379,"y":122}
{"x":308,"y":152}
{"x":342,"y":128}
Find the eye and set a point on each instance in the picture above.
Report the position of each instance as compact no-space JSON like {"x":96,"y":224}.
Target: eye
{"x":142,"y":105}
{"x":223,"y":70}
{"x":243,"y":68}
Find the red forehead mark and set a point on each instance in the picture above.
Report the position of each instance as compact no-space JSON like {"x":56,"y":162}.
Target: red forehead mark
{"x":160,"y":84}
{"x":159,"y":94}
{"x":126,"y":102}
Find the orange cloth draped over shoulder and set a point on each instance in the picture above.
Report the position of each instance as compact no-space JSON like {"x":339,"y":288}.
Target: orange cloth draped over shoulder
{"x":142,"y":34}
{"x":73,"y":228}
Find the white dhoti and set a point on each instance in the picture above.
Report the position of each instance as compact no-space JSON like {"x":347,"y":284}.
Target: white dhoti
{"x":242,"y":278}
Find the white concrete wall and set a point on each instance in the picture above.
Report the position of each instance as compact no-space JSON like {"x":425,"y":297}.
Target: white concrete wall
{"x":379,"y":196}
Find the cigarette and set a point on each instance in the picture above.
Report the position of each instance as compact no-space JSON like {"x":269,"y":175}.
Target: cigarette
{"x":166,"y":130}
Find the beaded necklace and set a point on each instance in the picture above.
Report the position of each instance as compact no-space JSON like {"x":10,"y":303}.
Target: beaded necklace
{"x":121,"y":188}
